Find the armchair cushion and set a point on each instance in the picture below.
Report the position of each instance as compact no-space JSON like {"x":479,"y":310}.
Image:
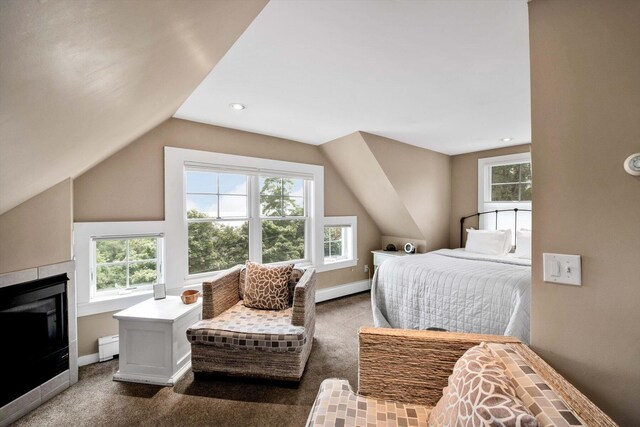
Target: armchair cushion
{"x":480,"y":392}
{"x":267,"y":287}
{"x":242,"y":327}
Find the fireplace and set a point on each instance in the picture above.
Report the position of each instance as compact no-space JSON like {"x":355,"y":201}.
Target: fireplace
{"x":35,"y":334}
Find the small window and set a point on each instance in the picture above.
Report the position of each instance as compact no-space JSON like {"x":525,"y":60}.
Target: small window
{"x":126,"y":263}
{"x":511,"y":183}
{"x":340,"y":239}
{"x":334,"y":243}
{"x":505,"y":183}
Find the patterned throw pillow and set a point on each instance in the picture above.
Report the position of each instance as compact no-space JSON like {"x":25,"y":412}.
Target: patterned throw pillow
{"x":296,"y":275}
{"x":480,"y":393}
{"x":267,"y":287}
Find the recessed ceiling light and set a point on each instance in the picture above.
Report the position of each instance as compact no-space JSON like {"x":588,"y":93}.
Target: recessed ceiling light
{"x":506,"y":139}
{"x":238,"y":107}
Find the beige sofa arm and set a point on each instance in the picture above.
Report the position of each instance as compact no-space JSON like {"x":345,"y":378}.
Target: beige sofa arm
{"x":304,"y":300}
{"x":221,"y":293}
{"x":412,"y":366}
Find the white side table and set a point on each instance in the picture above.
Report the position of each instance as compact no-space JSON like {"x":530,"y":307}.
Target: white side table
{"x":380,"y":256}
{"x":153,"y":343}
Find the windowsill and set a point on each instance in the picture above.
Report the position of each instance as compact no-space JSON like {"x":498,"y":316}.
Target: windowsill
{"x":105,"y":304}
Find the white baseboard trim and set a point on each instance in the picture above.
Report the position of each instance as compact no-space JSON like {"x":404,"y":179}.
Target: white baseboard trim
{"x":88,"y":359}
{"x":326,"y":294}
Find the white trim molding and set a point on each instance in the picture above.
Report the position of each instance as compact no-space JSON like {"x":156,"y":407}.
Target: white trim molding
{"x":88,"y":359}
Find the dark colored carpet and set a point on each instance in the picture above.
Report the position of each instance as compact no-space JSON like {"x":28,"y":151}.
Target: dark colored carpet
{"x":96,"y":400}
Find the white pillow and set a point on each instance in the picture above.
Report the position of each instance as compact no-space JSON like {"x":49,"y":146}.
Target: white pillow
{"x":508,"y":245}
{"x":523,"y":244}
{"x":489,"y":242}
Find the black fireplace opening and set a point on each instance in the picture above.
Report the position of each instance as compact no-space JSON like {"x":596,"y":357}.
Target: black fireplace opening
{"x":35,"y":334}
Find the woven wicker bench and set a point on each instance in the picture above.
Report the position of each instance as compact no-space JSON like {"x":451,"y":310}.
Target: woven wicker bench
{"x":234,"y":340}
{"x":401,"y":375}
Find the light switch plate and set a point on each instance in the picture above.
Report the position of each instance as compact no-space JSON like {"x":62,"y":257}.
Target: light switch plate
{"x":560,"y":268}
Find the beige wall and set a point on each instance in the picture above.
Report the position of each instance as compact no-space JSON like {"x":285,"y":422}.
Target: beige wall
{"x":90,"y":328}
{"x":129,"y":186}
{"x":422,"y":180}
{"x":585,"y":59}
{"x":464,"y":186}
{"x":364,"y":176}
{"x":38,"y":231}
{"x":406,"y":189}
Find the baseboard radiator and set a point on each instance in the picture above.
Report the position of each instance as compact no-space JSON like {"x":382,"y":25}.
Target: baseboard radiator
{"x":108,"y":347}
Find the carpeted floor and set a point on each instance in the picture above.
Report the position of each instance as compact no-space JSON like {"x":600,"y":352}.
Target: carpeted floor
{"x":96,"y":400}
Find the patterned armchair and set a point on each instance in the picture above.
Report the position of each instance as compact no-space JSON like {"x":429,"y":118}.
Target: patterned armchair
{"x":402,"y":374}
{"x":235,"y":340}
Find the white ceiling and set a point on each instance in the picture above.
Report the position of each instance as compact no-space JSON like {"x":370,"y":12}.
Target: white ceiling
{"x":452,"y":76}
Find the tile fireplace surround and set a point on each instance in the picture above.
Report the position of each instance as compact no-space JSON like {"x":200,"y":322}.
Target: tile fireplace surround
{"x":36,"y":397}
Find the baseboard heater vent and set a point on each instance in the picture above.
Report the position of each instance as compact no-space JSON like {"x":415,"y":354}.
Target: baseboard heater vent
{"x":108,"y":347}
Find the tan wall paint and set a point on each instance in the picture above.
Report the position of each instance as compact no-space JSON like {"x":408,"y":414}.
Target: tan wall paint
{"x":362,"y":172}
{"x":585,"y":58}
{"x":422,"y":180}
{"x":129,"y":186}
{"x":406,"y":189}
{"x":87,"y":78}
{"x":90,"y":328}
{"x":38,"y":231}
{"x":464,"y":187}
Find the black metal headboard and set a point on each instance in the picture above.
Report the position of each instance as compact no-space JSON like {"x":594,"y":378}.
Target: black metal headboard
{"x":478,"y":214}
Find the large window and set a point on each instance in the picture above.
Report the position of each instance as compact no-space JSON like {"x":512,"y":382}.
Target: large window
{"x":224,"y":209}
{"x":505,"y":182}
{"x":125,"y":263}
{"x":234,"y":217}
{"x":218,"y":220}
{"x":283,"y":219}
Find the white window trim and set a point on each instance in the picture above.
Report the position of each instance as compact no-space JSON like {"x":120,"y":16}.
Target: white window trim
{"x":484,"y":178}
{"x":83,"y":235}
{"x":352,"y":243}
{"x":175,"y":160}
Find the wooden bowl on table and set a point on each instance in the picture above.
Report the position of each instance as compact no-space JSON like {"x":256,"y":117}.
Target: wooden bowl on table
{"x":189,"y":296}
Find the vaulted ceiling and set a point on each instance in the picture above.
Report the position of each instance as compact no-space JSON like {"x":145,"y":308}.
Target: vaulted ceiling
{"x":450,"y":76}
{"x":80,"y":80}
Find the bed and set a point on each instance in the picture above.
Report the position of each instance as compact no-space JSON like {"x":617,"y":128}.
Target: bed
{"x":454,"y":290}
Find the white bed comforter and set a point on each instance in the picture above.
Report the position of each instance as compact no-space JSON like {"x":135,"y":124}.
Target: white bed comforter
{"x":456,"y":291}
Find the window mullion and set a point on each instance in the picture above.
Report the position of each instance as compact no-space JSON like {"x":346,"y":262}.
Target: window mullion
{"x":519,"y":181}
{"x":255,"y":223}
{"x":218,"y":195}
{"x":309,"y":235}
{"x":127,"y":259}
